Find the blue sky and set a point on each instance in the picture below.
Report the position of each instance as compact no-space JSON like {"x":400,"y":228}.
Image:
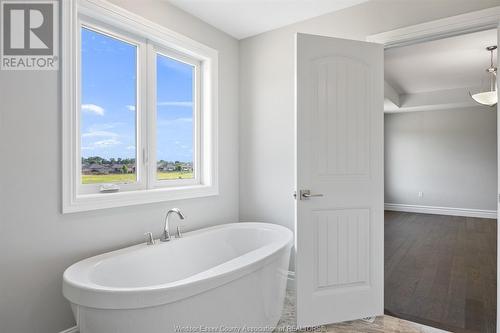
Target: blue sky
{"x":109,"y":100}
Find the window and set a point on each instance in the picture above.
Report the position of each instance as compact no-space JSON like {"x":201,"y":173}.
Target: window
{"x":108,"y":106}
{"x":139,"y":111}
{"x":175,"y":82}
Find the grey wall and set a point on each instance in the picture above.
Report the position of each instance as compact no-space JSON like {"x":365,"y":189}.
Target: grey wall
{"x":267,"y":94}
{"x":36,"y":242}
{"x":449,"y":155}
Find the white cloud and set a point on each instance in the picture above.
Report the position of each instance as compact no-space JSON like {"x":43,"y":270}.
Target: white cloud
{"x":186,"y":104}
{"x":130,"y":147}
{"x":101,"y":134}
{"x":104,"y":139}
{"x":98,"y":110}
{"x":175,"y":121}
{"x":106,"y":143}
{"x":104,"y":126}
{"x":130,"y":107}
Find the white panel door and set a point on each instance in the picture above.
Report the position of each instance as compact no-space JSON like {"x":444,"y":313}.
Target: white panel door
{"x":339,"y":235}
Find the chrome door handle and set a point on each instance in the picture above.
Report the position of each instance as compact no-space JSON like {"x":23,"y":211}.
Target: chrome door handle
{"x":306,"y":194}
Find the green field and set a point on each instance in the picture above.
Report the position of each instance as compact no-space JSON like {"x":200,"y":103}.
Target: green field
{"x":130,"y":177}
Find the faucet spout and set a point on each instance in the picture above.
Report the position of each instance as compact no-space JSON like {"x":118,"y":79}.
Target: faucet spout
{"x":166,"y":231}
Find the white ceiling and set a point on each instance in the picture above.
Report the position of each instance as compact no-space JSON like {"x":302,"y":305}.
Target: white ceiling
{"x":451,"y":63}
{"x":245,"y":18}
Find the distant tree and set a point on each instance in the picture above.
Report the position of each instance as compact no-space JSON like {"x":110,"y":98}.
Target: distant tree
{"x":111,"y":161}
{"x":124,"y":169}
{"x":95,"y":159}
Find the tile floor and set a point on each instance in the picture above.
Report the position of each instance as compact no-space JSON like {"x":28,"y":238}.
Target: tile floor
{"x":382,"y":324}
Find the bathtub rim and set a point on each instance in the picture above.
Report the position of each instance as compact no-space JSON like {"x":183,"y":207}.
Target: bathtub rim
{"x":105,"y":297}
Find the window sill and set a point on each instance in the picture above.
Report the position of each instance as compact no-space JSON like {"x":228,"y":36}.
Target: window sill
{"x":87,"y":202}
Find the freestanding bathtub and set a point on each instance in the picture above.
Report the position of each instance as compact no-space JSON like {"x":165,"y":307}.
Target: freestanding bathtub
{"x":218,"y":279}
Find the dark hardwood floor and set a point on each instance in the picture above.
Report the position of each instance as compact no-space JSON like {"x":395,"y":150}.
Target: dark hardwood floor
{"x":441,"y":270}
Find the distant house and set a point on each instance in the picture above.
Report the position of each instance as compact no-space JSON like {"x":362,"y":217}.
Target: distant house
{"x":85,"y":168}
{"x":166,"y":167}
{"x":116,"y":168}
{"x":96,"y":169}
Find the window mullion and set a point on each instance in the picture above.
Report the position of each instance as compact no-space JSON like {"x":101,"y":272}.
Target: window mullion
{"x":142,"y":124}
{"x":151,"y":114}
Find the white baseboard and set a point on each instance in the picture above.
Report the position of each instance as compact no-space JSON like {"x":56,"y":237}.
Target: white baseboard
{"x":487,"y":214}
{"x":73,"y":329}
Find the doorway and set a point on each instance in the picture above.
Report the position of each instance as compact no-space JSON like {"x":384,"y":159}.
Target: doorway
{"x":331,"y":201}
{"x":441,"y":184}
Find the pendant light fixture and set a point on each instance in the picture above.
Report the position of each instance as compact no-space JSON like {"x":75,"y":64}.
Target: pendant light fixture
{"x":489,"y":98}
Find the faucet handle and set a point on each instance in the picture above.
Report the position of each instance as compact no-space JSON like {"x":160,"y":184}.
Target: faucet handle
{"x":179,"y":234}
{"x":150,"y":240}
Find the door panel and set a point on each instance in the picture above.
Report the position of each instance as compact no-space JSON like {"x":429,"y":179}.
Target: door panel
{"x":339,"y":133}
{"x":342,"y":248}
{"x":341,"y":140}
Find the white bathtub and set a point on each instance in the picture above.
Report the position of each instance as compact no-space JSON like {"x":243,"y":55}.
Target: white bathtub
{"x":232,"y":275}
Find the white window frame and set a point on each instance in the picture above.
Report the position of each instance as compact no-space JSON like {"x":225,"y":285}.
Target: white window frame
{"x":150,"y":39}
{"x":153,"y":51}
{"x":141,"y":106}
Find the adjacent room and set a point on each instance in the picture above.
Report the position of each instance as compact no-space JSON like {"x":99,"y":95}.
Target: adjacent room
{"x":441,"y":183}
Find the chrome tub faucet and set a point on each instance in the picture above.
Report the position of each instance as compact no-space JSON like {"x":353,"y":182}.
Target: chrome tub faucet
{"x":166,"y":232}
